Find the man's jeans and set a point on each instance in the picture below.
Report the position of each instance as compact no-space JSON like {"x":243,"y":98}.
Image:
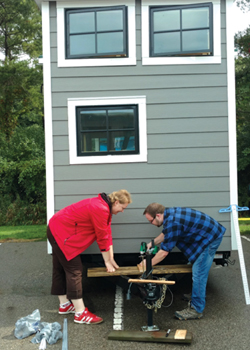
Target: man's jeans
{"x":200,"y":273}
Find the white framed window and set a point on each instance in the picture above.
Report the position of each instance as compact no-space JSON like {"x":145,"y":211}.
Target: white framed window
{"x":187,"y":19}
{"x":107,"y":130}
{"x":72,"y":34}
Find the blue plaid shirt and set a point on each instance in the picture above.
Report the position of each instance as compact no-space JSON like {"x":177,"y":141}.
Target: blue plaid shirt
{"x":190,"y":230}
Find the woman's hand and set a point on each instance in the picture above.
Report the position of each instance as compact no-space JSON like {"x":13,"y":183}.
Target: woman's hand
{"x":142,"y":265}
{"x":111,"y":265}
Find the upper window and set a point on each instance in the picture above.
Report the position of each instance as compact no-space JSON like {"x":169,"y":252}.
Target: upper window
{"x":188,"y":33}
{"x":107,"y":130}
{"x":181,"y":30}
{"x":91,"y":33}
{"x":96,"y":32}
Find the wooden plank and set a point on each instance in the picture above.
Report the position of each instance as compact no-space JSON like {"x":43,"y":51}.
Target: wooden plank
{"x":137,"y":280}
{"x":133,"y":270}
{"x":157,"y":337}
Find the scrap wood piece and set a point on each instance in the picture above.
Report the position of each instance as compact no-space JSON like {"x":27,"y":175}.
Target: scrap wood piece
{"x":180,"y":334}
{"x":134,"y":270}
{"x":156,"y":337}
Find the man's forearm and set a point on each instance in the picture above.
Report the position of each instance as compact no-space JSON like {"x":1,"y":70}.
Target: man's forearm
{"x":159,"y":256}
{"x":159,"y":239}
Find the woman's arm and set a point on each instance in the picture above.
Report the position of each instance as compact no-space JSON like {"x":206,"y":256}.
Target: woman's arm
{"x":108,"y":258}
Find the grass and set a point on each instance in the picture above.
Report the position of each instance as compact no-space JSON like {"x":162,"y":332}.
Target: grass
{"x":38,"y":232}
{"x":23,"y":233}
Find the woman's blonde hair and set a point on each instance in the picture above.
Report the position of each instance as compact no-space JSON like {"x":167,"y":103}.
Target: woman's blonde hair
{"x":122,"y":196}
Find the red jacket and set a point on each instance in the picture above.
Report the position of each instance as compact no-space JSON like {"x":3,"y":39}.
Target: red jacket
{"x":77,"y":226}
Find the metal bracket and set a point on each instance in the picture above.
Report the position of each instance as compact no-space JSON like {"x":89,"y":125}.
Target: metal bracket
{"x":229,"y":209}
{"x":150,"y":328}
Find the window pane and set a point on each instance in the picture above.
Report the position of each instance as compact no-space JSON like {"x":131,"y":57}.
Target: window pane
{"x":94,"y":142}
{"x":93,"y":120}
{"x":166,"y":20}
{"x":82,"y":44}
{"x":167,"y":42}
{"x":110,"y":42}
{"x":109,"y":20}
{"x":122,"y":141}
{"x":195,"y":18}
{"x":196,"y":40}
{"x":121,"y":119}
{"x":81,"y":22}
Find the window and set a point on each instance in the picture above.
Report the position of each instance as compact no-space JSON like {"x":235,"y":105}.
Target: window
{"x":188,"y":33}
{"x":96,"y":32}
{"x":107,"y":130}
{"x":181,"y":30}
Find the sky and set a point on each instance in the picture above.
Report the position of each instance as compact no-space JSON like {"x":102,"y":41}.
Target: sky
{"x":242,"y":20}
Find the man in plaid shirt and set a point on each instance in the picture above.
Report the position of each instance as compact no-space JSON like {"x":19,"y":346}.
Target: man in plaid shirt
{"x":198,"y":236}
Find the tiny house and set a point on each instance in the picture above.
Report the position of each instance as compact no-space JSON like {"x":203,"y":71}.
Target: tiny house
{"x":140,"y":95}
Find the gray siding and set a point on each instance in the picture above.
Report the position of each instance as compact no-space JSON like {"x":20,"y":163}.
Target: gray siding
{"x":187,"y":125}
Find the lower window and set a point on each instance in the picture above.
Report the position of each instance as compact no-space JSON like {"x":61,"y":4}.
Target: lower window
{"x":107,"y":130}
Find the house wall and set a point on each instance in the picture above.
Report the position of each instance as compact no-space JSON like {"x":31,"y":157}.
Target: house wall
{"x":187,"y":138}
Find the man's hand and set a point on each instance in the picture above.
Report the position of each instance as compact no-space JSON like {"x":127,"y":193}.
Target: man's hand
{"x":149,"y":245}
{"x":111,"y":265}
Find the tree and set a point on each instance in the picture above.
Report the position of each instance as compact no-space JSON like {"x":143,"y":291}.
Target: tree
{"x":242,"y":73}
{"x":22,"y":163}
{"x":20,"y":37}
{"x":20,"y":29}
{"x":244,"y":5}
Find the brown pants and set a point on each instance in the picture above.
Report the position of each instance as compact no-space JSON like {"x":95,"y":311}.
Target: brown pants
{"x":67,"y":275}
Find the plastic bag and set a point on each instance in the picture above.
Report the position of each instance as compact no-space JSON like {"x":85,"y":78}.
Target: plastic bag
{"x":27,"y":325}
{"x":50,"y":331}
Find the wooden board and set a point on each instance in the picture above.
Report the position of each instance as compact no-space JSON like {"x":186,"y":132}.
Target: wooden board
{"x":133,"y":270}
{"x":156,"y":337}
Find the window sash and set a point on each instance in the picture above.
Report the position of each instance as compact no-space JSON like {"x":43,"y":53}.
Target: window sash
{"x":108,"y":137}
{"x":87,"y":41}
{"x":178,"y":29}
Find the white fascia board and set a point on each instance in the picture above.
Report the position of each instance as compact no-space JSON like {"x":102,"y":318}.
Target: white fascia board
{"x":48,"y":113}
{"x":233,"y":181}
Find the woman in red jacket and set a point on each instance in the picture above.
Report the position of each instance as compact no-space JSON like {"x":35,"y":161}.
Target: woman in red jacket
{"x":71,"y":231}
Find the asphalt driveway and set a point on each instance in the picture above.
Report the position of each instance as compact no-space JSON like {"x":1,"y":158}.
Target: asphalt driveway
{"x":25,"y":278}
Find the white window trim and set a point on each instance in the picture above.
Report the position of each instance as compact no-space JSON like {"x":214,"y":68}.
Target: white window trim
{"x":88,"y":62}
{"x":101,"y":101}
{"x":147,"y":60}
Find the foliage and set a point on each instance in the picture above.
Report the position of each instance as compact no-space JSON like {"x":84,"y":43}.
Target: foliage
{"x":22,"y":164}
{"x":22,"y":177}
{"x":244,"y":5}
{"x":20,"y":80}
{"x":20,"y":94}
{"x":20,"y":29}
{"x":242,"y":72}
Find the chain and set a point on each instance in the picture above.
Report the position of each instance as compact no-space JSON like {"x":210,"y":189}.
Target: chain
{"x":159,"y":302}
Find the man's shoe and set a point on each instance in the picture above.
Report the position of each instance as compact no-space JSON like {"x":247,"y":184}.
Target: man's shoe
{"x":87,"y":317}
{"x":188,"y":314}
{"x":69,"y":309}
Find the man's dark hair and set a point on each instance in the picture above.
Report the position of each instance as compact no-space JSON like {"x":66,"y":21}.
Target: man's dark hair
{"x":153,"y":209}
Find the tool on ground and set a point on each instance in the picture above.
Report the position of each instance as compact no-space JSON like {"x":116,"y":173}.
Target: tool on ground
{"x":65,"y":335}
{"x":154,"y":289}
{"x":153,"y":293}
